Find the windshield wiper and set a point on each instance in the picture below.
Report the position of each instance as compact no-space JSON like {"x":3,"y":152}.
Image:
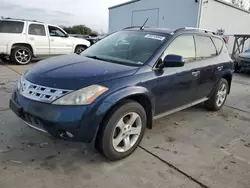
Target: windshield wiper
{"x":95,"y":57}
{"x":114,"y":60}
{"x":101,"y":58}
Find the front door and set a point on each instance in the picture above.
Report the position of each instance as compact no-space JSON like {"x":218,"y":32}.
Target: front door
{"x":60,"y":42}
{"x":177,"y":86}
{"x":38,"y":37}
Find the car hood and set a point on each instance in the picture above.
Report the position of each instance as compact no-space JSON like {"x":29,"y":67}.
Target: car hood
{"x":74,"y":72}
{"x":78,"y":41}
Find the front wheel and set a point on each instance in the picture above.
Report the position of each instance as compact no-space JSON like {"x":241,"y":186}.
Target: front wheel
{"x":122,"y":130}
{"x":219,"y":96}
{"x":80,"y":49}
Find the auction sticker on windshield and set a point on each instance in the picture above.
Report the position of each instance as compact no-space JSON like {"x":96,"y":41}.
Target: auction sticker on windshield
{"x":156,"y":37}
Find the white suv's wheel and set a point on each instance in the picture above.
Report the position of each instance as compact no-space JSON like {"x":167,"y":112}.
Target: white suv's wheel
{"x":80,"y":49}
{"x":122,"y":130}
{"x":21,"y":55}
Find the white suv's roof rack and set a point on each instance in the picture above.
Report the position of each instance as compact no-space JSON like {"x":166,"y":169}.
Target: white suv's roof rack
{"x":8,"y":18}
{"x":194,"y":29}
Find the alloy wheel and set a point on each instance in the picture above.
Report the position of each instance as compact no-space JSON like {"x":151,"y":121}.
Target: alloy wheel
{"x":221,"y":95}
{"x":22,"y":56}
{"x":80,"y":50}
{"x":127,"y":132}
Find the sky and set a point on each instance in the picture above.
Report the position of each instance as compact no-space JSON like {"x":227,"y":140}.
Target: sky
{"x":92,"y":13}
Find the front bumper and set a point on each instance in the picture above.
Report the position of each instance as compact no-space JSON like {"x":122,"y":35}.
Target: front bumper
{"x":81,"y":122}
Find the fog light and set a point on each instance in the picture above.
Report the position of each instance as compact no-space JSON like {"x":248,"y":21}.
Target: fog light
{"x":70,"y":135}
{"x":65,"y":134}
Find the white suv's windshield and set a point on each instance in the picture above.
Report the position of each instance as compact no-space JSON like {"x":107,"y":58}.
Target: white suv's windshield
{"x":128,"y":47}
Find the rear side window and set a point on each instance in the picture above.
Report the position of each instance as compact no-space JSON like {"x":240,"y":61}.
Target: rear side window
{"x":218,"y":44}
{"x":204,"y":47}
{"x":37,"y":29}
{"x":11,"y":27}
{"x":183,"y":46}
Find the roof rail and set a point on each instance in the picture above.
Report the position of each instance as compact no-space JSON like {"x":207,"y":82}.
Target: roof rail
{"x":8,"y":18}
{"x":132,"y":27}
{"x":195,"y":29}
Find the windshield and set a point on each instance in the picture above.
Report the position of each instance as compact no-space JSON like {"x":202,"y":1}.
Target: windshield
{"x":127,"y":47}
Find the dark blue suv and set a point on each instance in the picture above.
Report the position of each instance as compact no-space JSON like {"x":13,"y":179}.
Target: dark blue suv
{"x":113,"y":91}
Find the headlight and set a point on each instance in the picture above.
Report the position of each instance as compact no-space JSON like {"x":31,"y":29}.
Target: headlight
{"x":19,"y":83}
{"x":82,"y":96}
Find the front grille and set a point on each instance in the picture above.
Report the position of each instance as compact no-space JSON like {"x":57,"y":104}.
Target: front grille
{"x":40,"y":93}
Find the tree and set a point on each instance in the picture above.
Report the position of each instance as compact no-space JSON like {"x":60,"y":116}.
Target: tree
{"x":80,"y":29}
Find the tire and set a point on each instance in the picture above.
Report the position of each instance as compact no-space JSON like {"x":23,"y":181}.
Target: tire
{"x":80,"y":49}
{"x":213,"y":103}
{"x":109,"y":142}
{"x":21,"y":55}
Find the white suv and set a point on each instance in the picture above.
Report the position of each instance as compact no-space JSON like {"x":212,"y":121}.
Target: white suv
{"x":21,"y":40}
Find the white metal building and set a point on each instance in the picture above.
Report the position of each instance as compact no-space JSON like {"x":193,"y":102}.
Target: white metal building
{"x":210,"y":14}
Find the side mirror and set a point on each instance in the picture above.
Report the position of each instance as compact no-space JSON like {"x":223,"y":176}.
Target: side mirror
{"x":173,"y":61}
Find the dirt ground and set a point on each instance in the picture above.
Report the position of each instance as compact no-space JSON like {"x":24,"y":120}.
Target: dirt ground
{"x":189,"y":149}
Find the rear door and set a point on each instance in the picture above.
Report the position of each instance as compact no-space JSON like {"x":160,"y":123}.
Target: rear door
{"x":60,"y":42}
{"x":39,"y":38}
{"x":177,"y":86}
{"x":207,"y":58}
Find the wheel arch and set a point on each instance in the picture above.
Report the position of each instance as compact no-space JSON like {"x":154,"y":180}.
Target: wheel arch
{"x":27,"y":45}
{"x":228,"y":76}
{"x":138,"y":95}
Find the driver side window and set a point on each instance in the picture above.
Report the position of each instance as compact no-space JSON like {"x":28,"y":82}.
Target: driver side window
{"x":56,"y":32}
{"x":184,"y":46}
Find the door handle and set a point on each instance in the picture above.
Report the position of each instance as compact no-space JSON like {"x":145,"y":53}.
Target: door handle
{"x":31,"y":38}
{"x":220,"y":68}
{"x":196,"y":73}
{"x":52,"y":40}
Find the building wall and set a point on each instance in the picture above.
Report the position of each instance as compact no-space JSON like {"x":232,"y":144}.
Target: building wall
{"x":171,"y":14}
{"x":217,"y":14}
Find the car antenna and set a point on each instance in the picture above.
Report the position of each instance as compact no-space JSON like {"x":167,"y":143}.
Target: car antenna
{"x":143,"y":26}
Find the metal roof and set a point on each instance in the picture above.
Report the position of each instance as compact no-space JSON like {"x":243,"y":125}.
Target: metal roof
{"x":126,"y":3}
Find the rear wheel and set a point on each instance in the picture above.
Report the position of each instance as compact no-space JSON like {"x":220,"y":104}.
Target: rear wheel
{"x":122,"y":130}
{"x":219,"y":97}
{"x":21,"y":55}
